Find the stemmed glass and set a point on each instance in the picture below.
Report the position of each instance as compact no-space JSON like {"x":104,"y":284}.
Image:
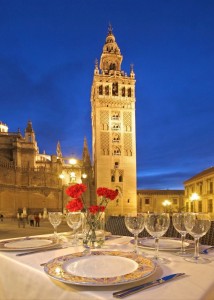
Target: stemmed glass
{"x":157,"y":224}
{"x":178,"y":223}
{"x":135,"y":224}
{"x":55,"y":219}
{"x":197,"y":225}
{"x":74,"y":221}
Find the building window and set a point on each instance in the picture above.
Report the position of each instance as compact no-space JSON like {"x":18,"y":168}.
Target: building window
{"x":120,"y":178}
{"x":116,"y":164}
{"x":200,"y":206}
{"x":112,"y":178}
{"x":100,"y":90}
{"x":175,"y":201}
{"x":123,"y":92}
{"x":210,"y":206}
{"x":200,"y":189}
{"x":147,"y":201}
{"x":115,"y":89}
{"x":115,"y":116}
{"x":116,"y":127}
{"x":116,"y":151}
{"x":107,"y":90}
{"x":211,"y":187}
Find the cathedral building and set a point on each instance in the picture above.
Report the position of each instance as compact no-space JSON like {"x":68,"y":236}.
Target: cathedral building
{"x":113,"y":127}
{"x":32,"y":182}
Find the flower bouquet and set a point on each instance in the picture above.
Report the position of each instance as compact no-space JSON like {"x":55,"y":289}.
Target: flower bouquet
{"x":93,"y":216}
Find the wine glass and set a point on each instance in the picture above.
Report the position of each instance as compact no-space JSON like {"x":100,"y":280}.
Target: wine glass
{"x":197,"y":225}
{"x":55,"y":219}
{"x":74,"y":221}
{"x":157,"y":224}
{"x":178,"y":223}
{"x":135,"y":224}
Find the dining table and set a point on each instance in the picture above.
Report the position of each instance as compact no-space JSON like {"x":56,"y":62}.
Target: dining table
{"x":24,"y":277}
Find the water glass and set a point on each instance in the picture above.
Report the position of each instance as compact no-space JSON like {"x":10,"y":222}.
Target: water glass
{"x":135,"y":224}
{"x":197,"y":225}
{"x":178,"y":223}
{"x":157,"y":224}
{"x":74,"y":221}
{"x":55,"y":219}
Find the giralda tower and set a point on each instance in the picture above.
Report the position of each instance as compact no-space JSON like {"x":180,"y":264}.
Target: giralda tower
{"x":113,"y":127}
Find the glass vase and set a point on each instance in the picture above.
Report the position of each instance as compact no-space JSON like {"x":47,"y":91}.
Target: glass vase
{"x":93,"y":230}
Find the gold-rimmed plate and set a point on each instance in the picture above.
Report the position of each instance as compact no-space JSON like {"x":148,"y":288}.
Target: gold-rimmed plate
{"x":26,"y":243}
{"x":100,"y":268}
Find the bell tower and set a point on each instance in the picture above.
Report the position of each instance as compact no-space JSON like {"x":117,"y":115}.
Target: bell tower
{"x":113,"y":127}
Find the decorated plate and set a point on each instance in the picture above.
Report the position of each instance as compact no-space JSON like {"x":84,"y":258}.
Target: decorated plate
{"x":165,"y":244}
{"x":24,"y":244}
{"x":100,"y":268}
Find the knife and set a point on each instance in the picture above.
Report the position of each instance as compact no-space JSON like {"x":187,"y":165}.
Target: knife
{"x":41,"y":250}
{"x":135,"y":289}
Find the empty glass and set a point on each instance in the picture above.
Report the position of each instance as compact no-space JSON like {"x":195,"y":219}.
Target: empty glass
{"x":55,"y":219}
{"x":197,"y":225}
{"x":135,"y":224}
{"x":178,"y":223}
{"x":157,"y":224}
{"x":74,"y":221}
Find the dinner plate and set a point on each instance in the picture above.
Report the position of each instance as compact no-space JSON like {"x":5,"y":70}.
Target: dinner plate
{"x":100,"y":268}
{"x":24,"y":244}
{"x":165,"y":244}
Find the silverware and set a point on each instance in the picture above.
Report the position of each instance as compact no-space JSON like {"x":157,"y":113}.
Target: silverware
{"x":205,"y":251}
{"x":41,"y":250}
{"x":135,"y":289}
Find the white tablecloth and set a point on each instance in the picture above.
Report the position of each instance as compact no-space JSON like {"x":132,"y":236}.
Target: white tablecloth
{"x":22,"y":278}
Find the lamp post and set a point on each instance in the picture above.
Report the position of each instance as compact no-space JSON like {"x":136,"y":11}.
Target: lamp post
{"x":166,"y":204}
{"x":194,"y":197}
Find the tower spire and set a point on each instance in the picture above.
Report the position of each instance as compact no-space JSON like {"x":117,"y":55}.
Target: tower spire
{"x":58,"y":150}
{"x":85,"y":155}
{"x":110,"y":28}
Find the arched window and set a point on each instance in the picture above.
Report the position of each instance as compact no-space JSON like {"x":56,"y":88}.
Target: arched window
{"x":107,"y":90}
{"x":121,"y":178}
{"x":123,"y":92}
{"x":116,"y":151}
{"x":129,"y":92}
{"x":115,"y":89}
{"x":100,"y":90}
{"x":112,"y":178}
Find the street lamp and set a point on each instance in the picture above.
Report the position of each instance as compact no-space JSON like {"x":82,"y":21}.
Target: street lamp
{"x":194,"y":197}
{"x":166,"y":203}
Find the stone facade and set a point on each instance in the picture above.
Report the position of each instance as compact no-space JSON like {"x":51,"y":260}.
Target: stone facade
{"x":199,"y":192}
{"x":160,"y":200}
{"x":36,"y":182}
{"x":113,"y":127}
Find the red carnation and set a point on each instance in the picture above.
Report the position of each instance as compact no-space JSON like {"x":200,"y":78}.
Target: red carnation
{"x":76,"y":190}
{"x":107,"y":193}
{"x":75,"y":205}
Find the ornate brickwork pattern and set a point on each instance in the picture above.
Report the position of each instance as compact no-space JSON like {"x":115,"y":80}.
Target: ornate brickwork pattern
{"x":104,"y":119}
{"x":127,"y":144}
{"x":104,"y":143}
{"x":127,"y":121}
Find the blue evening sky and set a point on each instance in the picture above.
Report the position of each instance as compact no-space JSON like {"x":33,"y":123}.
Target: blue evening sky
{"x":47,"y":54}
